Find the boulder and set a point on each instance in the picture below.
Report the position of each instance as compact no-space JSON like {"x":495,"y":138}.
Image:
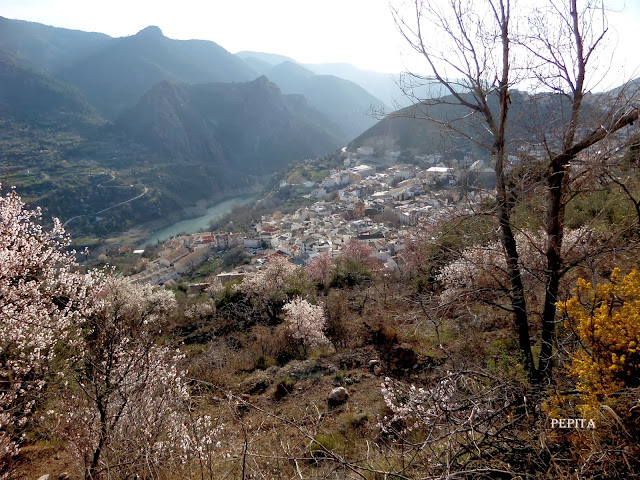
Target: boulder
{"x":337,"y":396}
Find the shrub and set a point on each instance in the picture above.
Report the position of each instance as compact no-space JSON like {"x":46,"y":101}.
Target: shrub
{"x":607,"y":322}
{"x":306,"y":323}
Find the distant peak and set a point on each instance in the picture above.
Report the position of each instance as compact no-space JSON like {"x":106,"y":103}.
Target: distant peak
{"x":150,"y":31}
{"x":264,"y":83}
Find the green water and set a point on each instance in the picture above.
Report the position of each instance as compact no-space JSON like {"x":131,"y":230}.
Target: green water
{"x":195,"y":224}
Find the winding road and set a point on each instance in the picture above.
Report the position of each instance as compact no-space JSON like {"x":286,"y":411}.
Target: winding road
{"x":113,"y":206}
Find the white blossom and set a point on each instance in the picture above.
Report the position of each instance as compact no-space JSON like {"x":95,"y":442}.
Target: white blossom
{"x":41,"y":298}
{"x":482,"y":269}
{"x":306,"y":322}
{"x":272,"y":279}
{"x":130,"y":409}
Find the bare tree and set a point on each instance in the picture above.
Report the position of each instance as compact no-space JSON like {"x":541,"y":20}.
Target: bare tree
{"x":480,"y":51}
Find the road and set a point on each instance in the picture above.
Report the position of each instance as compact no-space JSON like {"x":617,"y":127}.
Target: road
{"x":108,"y":208}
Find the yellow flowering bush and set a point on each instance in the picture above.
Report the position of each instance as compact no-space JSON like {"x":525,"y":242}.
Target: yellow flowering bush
{"x":607,"y":321}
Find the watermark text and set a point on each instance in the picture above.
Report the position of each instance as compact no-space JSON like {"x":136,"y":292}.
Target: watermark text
{"x":581,"y":423}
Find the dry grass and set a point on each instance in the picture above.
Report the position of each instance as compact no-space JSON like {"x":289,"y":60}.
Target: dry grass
{"x":278,"y":424}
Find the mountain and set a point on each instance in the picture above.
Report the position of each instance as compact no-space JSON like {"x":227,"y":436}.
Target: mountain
{"x":115,"y":133}
{"x":402,"y":131}
{"x":115,"y":77}
{"x":272,"y":59}
{"x":408,"y":128}
{"x":345,"y":103}
{"x":179,"y":145}
{"x":384,"y":86}
{"x":49,"y":48}
{"x":390,"y":87}
{"x":114,"y":73}
{"x":381,"y":85}
{"x":534,"y":119}
{"x":248,"y":125}
{"x":35,"y":98}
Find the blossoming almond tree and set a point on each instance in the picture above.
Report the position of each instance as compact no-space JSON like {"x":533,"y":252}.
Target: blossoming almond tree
{"x":129,"y":409}
{"x":481,"y":272}
{"x":320,"y":268}
{"x":272,"y":279}
{"x":306,"y":323}
{"x":462,"y":423}
{"x":360,"y":251}
{"x":41,"y":298}
{"x":270,"y":287}
{"x":356,"y":264}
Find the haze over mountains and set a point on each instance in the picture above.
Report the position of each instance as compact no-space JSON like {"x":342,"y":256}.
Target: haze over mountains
{"x":248,"y":125}
{"x":385,"y":86}
{"x":346,"y":104}
{"x":77,"y":105}
{"x":114,"y":73}
{"x":88,"y":121}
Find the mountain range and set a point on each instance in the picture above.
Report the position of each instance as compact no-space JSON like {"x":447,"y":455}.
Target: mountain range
{"x":88,"y":121}
{"x":187,"y":120}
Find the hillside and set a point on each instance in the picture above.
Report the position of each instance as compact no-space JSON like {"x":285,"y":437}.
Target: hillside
{"x":438,"y":125}
{"x":344,"y":102}
{"x":49,"y":48}
{"x":38,"y":99}
{"x":240,"y":125}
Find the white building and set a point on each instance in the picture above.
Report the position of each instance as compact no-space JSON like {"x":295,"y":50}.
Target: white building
{"x":363,"y":170}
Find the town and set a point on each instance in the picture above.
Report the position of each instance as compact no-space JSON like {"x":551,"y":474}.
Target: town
{"x":379,"y":205}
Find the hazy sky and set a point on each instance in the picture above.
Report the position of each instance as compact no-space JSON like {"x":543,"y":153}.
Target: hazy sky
{"x":360,"y":32}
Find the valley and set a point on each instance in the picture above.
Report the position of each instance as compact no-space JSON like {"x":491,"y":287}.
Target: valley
{"x":243,"y":266}
{"x":160,"y":114}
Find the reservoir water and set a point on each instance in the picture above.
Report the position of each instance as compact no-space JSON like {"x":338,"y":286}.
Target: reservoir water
{"x":195,"y":224}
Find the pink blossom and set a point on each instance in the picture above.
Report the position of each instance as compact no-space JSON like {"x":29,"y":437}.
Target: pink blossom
{"x":320,"y":268}
{"x":357,"y":250}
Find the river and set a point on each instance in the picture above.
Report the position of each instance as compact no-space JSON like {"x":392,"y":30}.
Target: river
{"x":195,"y":224}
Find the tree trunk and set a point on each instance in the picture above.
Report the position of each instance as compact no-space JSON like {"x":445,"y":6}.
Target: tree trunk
{"x":504,"y":203}
{"x":93,"y":467}
{"x":518,"y":301}
{"x":558,"y":177}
